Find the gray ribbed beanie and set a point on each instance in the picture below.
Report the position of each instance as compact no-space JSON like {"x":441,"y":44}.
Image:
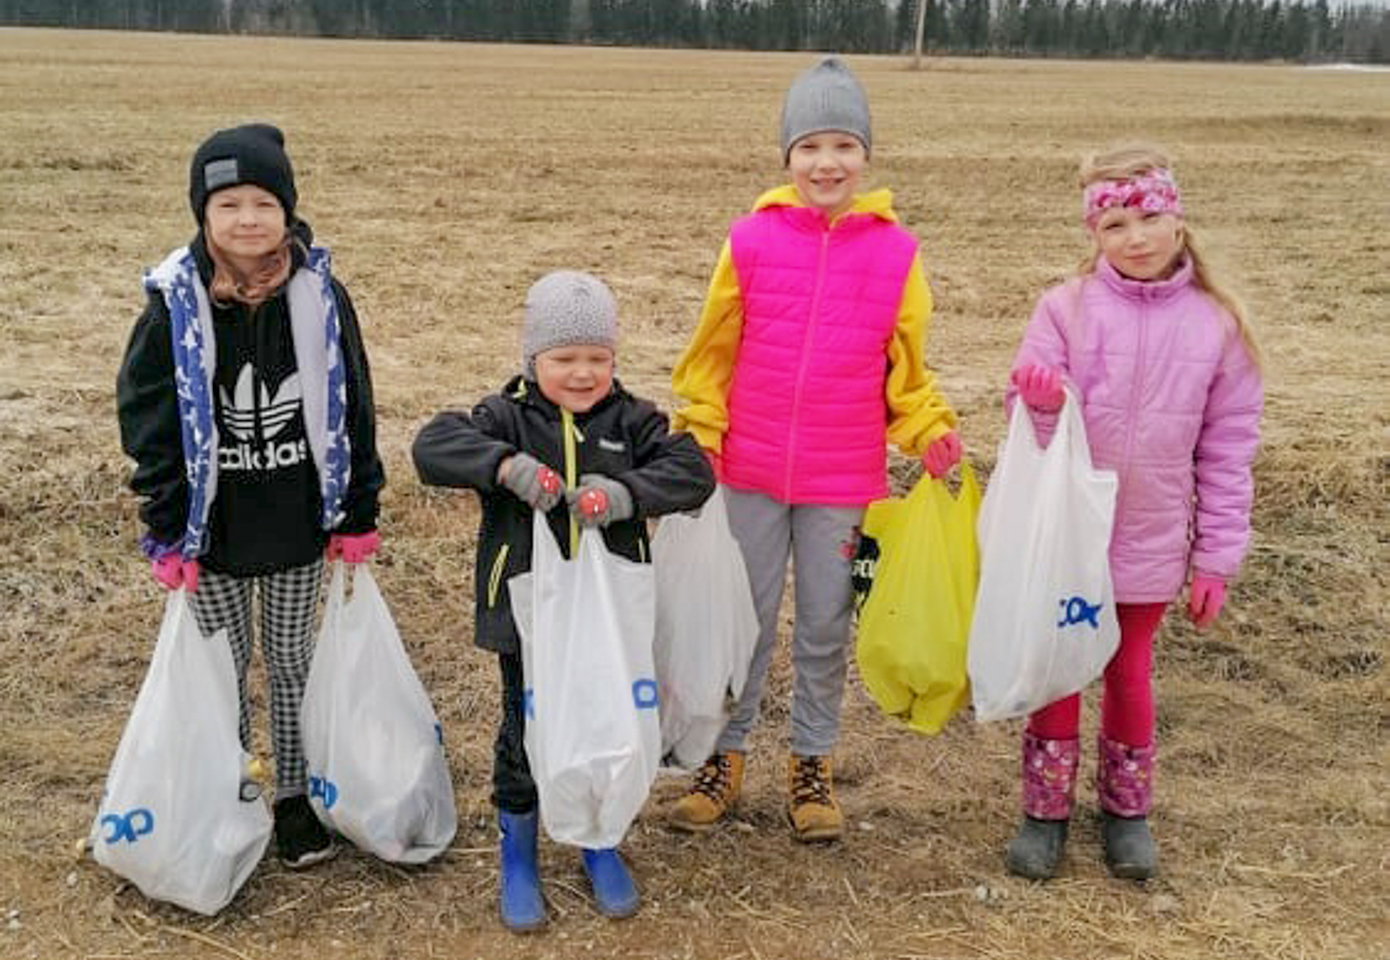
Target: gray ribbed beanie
{"x":825,"y":97}
{"x":564,"y":308}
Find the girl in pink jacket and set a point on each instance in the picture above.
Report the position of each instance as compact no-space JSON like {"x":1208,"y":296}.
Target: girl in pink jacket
{"x":1165,"y":366}
{"x":807,"y":361}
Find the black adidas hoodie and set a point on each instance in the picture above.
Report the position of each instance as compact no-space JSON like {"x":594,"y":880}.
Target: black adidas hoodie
{"x":265,"y":516}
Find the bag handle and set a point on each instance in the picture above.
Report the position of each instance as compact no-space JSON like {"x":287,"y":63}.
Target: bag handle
{"x":921,"y":490}
{"x":1071,"y":430}
{"x":1021,"y":439}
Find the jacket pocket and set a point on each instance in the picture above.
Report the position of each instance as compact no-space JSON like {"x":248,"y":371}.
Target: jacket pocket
{"x":494,"y":578}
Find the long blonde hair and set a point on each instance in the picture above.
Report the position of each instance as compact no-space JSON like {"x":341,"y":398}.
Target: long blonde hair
{"x":1131,"y":160}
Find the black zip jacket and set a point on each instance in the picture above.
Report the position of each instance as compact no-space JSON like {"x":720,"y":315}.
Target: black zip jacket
{"x":621,"y":437}
{"x":265,"y":516}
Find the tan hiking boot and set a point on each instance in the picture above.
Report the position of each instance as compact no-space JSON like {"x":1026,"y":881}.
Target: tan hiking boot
{"x":712,"y":793}
{"x":813,"y":811}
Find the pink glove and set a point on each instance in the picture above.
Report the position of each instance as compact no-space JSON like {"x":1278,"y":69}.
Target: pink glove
{"x":942,"y":454}
{"x":353,"y":547}
{"x":1039,"y":386}
{"x":173,"y":571}
{"x":1205,"y":599}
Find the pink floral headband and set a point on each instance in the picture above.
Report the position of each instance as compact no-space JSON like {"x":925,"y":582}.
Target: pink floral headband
{"x":1153,"y":190}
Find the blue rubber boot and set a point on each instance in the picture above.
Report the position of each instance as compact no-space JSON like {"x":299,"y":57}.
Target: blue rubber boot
{"x":521,"y":904}
{"x":614,"y":892}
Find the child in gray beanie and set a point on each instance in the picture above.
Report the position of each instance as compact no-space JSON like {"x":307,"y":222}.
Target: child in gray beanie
{"x":807,"y":361}
{"x":563,"y":437}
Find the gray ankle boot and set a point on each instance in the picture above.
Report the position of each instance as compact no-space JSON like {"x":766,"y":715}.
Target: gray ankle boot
{"x":1049,"y":785}
{"x":1124,"y":781}
{"x":1036,"y":849}
{"x":1129,"y":847}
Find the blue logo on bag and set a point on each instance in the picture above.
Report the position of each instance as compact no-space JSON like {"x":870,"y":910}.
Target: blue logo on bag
{"x":644,"y":694}
{"x":131,"y":827}
{"x":1076,"y":610}
{"x":528,"y":703}
{"x":321,"y":788}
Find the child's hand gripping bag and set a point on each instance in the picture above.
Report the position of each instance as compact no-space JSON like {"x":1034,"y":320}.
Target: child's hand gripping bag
{"x":1044,"y":624}
{"x":174,"y":819}
{"x":378,"y":773}
{"x":706,"y":628}
{"x":914,"y":624}
{"x":593,"y":733}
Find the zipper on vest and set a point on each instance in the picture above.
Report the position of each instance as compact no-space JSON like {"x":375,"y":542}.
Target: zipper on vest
{"x":567,"y":431}
{"x":806,"y":339}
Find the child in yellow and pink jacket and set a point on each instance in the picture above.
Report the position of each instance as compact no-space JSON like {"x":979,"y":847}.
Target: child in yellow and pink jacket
{"x":807,"y":361}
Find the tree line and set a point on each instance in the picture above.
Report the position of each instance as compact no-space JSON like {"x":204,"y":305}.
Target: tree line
{"x":1180,"y":29}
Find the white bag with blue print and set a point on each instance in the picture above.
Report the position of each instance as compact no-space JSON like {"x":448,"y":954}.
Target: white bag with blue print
{"x":378,"y":774}
{"x":173,"y":820}
{"x":1044,"y":624}
{"x":706,"y":629}
{"x":593,"y":732}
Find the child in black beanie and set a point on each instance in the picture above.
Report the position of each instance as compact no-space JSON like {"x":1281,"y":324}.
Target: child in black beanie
{"x":245,"y":400}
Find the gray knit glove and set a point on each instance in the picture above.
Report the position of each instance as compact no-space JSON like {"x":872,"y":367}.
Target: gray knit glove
{"x":599,"y":501}
{"x":535,"y":484}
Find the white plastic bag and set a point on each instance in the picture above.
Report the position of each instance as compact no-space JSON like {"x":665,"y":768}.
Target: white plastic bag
{"x":593,"y":734}
{"x":1044,"y":624}
{"x":172,"y":819}
{"x":378,"y":774}
{"x":706,"y":628}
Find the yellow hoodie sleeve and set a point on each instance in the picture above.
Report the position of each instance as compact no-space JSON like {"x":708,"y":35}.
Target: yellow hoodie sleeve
{"x":917,"y":413}
{"x":704,"y":372}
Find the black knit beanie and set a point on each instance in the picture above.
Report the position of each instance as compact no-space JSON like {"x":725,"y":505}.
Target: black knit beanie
{"x":253,"y":153}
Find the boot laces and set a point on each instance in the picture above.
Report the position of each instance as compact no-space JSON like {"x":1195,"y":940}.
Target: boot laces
{"x":712,"y":779}
{"x":811,"y":782}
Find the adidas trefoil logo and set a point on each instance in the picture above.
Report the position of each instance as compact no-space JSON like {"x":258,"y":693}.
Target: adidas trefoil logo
{"x":240,"y":412}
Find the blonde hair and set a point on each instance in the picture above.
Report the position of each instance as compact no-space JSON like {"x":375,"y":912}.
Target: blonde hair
{"x":1131,"y":160}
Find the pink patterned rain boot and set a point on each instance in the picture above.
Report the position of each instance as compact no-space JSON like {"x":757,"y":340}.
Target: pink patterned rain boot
{"x":1124,"y":783}
{"x":1049,"y":785}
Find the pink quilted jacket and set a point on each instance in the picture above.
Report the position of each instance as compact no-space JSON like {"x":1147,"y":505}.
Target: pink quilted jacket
{"x":1172,"y":402}
{"x":807,"y":415}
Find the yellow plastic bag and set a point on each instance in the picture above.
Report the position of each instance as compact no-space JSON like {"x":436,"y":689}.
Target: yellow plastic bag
{"x":914,"y":624}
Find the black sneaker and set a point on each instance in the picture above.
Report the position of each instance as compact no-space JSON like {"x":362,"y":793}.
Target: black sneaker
{"x":300,"y":838}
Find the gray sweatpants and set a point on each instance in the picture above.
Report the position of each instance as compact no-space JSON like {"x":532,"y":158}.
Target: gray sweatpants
{"x":819,"y":541}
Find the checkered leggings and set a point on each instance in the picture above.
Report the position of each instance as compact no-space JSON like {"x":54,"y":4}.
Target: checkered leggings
{"x":288,"y":607}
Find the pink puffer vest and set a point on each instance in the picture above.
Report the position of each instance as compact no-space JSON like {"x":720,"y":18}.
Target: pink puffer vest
{"x":807,"y":415}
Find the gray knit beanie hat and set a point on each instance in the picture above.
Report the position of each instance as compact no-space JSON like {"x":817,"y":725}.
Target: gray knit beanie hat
{"x":825,"y":97}
{"x":564,"y":308}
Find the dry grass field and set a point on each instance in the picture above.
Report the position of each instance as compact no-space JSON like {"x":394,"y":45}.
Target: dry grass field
{"x":446,"y":178}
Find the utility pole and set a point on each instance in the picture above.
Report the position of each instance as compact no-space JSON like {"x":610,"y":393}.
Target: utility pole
{"x":921,"y":26}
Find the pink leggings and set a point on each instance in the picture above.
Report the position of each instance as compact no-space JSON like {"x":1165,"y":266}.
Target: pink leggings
{"x":1127,"y":707}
